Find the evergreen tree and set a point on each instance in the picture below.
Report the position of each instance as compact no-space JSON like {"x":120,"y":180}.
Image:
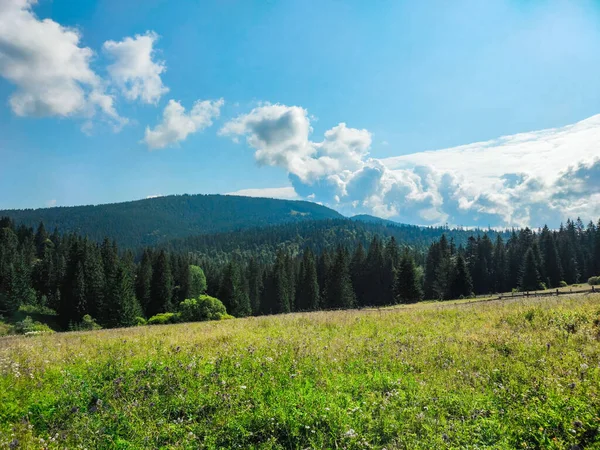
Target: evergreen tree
{"x":360,"y":283}
{"x":232,"y":292}
{"x":255,"y":286}
{"x":530,"y":277}
{"x":500,"y":267}
{"x":308,"y":287}
{"x":143,"y":282}
{"x":161,"y":286}
{"x":552,"y":267}
{"x":339,"y":292}
{"x":461,"y":286}
{"x":407,"y":288}
{"x":121,"y":303}
{"x":374,"y":270}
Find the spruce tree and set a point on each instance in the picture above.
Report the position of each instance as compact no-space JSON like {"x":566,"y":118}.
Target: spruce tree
{"x":360,"y":283}
{"x":461,"y":286}
{"x":232,"y":291}
{"x":308,"y":287}
{"x":552,"y":266}
{"x":161,"y":286}
{"x":407,"y":288}
{"x":255,"y":286}
{"x":339,"y":292}
{"x":500,"y":266}
{"x":143,"y":282}
{"x":530,"y":277}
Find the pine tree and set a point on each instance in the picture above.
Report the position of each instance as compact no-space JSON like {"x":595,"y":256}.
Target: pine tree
{"x":530,"y":277}
{"x":374,"y":269}
{"x":308,"y":287}
{"x":41,"y":236}
{"x":407,"y":288}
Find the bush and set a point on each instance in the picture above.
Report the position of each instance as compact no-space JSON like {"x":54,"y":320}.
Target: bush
{"x":163,"y":319}
{"x":88,"y":323}
{"x":202,"y":308}
{"x":28,"y":326}
{"x":594,"y":281}
{"x":563,"y":284}
{"x":140,"y":321}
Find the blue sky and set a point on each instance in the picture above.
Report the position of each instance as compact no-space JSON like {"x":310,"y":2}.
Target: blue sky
{"x":81,"y":82}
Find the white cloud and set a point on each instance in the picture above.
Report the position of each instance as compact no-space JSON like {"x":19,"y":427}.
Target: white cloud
{"x":285,"y":193}
{"x":154,"y":196}
{"x":525,"y":179}
{"x":49,"y":68}
{"x":177,"y":124}
{"x":51,"y":203}
{"x":134,"y":69}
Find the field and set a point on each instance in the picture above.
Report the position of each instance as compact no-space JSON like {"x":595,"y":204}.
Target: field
{"x":498,"y":374}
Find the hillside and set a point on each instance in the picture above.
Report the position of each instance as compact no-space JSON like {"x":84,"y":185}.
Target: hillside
{"x":318,"y":235}
{"x":500,"y":375}
{"x":155,"y":220}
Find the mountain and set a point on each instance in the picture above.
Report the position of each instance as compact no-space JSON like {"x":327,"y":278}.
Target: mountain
{"x":155,"y":220}
{"x":263,"y":243}
{"x":372,"y":219}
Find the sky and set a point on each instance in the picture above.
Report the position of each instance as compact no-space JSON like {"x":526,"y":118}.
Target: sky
{"x":465,"y":113}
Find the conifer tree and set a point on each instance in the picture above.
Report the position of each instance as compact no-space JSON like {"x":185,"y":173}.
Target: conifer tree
{"x":339,"y":292}
{"x":407,"y":288}
{"x":552,"y":267}
{"x":308,"y":287}
{"x":143,"y":282}
{"x":357,"y":273}
{"x":232,"y":292}
{"x":530,"y":277}
{"x":161,"y":286}
{"x":255,"y":286}
{"x":500,"y":267}
{"x":461,"y":286}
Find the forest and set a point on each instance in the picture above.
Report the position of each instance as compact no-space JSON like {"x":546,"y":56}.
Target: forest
{"x":81,"y":280}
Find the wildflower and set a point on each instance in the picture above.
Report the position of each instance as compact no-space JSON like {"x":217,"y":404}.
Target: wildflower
{"x":350,"y":433}
{"x":242,"y":387}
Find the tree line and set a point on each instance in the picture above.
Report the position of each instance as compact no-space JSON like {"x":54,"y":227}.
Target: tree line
{"x":75,"y":276}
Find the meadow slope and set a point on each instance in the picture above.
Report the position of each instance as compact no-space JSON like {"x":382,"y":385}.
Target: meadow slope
{"x":502,"y":375}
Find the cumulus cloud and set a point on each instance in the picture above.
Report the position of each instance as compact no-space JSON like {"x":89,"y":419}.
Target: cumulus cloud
{"x":285,"y":193}
{"x":176,"y":124}
{"x":525,"y":179}
{"x":49,"y":68}
{"x":134,"y":69}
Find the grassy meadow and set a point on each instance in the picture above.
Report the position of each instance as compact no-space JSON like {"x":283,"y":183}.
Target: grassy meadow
{"x":499,"y":374}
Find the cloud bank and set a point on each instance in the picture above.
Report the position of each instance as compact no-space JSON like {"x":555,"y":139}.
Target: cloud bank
{"x":177,"y":125}
{"x":525,"y":179}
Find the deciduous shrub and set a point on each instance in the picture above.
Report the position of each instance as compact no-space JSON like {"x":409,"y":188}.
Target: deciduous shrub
{"x":163,"y":319}
{"x":202,"y":308}
{"x":563,"y":284}
{"x":29,"y":326}
{"x":594,"y":281}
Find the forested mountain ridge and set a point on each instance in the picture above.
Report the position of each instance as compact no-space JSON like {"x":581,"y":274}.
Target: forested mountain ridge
{"x":263,"y":243}
{"x":155,"y":220}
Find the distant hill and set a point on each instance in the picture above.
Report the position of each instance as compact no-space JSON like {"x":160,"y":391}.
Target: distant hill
{"x":156,"y":220}
{"x":264,"y":242}
{"x":372,"y":219}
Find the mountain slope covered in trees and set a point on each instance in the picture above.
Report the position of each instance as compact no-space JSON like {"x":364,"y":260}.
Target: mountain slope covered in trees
{"x":155,"y":220}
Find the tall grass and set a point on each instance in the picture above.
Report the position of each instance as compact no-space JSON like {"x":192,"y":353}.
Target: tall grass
{"x":502,"y":375}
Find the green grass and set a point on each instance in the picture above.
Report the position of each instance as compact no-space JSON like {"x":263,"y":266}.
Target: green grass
{"x":503,"y":375}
